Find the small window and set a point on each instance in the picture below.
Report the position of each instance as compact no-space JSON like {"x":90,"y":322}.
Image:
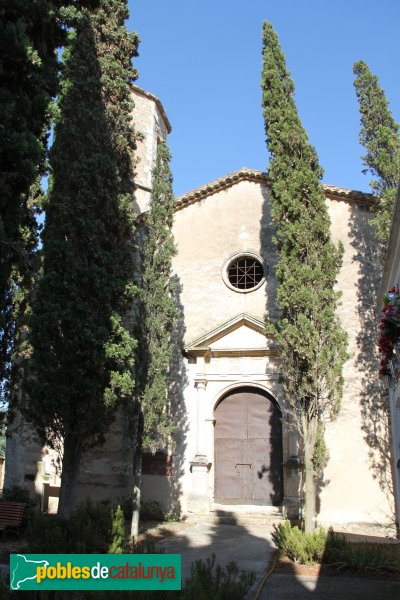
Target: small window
{"x":156,"y":464}
{"x":244,"y":272}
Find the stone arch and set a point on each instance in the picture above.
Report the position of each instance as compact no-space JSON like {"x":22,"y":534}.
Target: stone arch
{"x":248,"y":384}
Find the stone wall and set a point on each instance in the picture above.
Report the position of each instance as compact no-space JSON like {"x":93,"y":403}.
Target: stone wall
{"x":357,"y":481}
{"x":152,"y":125}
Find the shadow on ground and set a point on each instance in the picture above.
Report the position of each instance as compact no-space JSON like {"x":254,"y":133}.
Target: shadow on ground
{"x":251,"y":547}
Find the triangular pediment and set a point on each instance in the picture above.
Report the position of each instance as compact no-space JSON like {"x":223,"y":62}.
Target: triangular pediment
{"x":242,"y":334}
{"x":217,"y":185}
{"x":258,"y":177}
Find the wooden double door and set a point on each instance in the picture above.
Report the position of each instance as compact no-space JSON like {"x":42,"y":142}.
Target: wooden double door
{"x":248,"y":448}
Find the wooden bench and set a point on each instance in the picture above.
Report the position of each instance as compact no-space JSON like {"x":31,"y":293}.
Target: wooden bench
{"x":11,"y":516}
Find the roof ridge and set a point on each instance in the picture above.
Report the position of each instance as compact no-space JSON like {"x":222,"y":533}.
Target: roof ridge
{"x":246,"y":174}
{"x":219,"y":184}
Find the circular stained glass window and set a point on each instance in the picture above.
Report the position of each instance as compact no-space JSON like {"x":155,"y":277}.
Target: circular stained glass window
{"x":244,"y":272}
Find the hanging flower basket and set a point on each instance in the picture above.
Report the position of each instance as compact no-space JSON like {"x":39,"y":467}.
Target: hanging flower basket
{"x":389,"y":340}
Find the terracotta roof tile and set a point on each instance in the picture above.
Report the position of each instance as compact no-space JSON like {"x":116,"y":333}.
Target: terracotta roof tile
{"x":246,"y":174}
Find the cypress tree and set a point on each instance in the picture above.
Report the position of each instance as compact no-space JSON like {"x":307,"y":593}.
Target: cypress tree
{"x":156,"y":315}
{"x":118,"y":532}
{"x":29,"y":36}
{"x":82,"y":361}
{"x":379,"y":135}
{"x":311,"y":341}
{"x":30,"y":33}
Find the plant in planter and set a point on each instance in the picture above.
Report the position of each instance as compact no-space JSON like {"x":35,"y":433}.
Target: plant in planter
{"x":389,"y":340}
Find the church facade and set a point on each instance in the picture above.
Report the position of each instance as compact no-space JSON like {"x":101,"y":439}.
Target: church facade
{"x":235,"y":449}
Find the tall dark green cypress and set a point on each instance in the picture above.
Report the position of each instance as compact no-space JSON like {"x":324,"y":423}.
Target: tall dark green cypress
{"x":380,"y":137}
{"x":30,"y":33}
{"x":82,"y":363}
{"x":29,"y":36}
{"x":156,"y":315}
{"x":311,"y":341}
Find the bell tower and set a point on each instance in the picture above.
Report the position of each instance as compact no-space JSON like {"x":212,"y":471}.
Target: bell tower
{"x":151,"y":122}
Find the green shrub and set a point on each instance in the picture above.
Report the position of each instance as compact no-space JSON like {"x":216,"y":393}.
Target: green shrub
{"x":6,"y":594}
{"x":17,"y":494}
{"x":46,"y":534}
{"x":118,"y":532}
{"x":289,"y":541}
{"x":171,"y":517}
{"x":315,"y":544}
{"x":365,"y":557}
{"x":336,"y":545}
{"x":87,"y":531}
{"x":151,"y":510}
{"x":209,"y":583}
{"x":300,"y":547}
{"x":334,"y":549}
{"x":361,"y":556}
{"x":90,"y":528}
{"x":127,"y":507}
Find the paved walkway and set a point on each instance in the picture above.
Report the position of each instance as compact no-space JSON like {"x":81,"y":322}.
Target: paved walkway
{"x":251,"y":547}
{"x":290,"y":587}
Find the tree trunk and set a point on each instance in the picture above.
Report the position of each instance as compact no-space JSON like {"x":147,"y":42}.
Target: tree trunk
{"x":310,"y":486}
{"x":137,"y":485}
{"x":137,"y":472}
{"x":69,"y":476}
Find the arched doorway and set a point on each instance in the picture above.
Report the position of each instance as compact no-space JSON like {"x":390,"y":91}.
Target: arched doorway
{"x":248,"y":448}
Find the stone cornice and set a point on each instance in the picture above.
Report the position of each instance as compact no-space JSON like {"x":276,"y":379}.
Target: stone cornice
{"x":339,"y":193}
{"x":202,"y":345}
{"x":217,"y":332}
{"x":333,"y":192}
{"x":217,"y":185}
{"x":218,"y":352}
{"x":245,"y":174}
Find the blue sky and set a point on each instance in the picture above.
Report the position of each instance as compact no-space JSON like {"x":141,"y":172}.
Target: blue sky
{"x":203,"y":60}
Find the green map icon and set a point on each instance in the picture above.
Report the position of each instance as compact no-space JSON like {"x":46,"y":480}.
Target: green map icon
{"x":95,"y":571}
{"x":24,"y":569}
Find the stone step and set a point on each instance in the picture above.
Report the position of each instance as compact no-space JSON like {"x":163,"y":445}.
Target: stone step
{"x":239,"y":519}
